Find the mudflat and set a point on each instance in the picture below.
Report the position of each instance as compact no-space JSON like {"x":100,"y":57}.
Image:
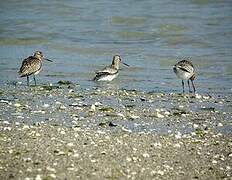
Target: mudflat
{"x":65,"y":132}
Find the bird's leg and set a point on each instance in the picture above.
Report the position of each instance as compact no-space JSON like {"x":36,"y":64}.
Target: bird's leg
{"x":34,"y":79}
{"x":194,"y":89}
{"x":189,"y":86}
{"x":183,"y":85}
{"x":28,"y":81}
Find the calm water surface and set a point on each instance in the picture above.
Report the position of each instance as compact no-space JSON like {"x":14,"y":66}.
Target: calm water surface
{"x":150,"y":35}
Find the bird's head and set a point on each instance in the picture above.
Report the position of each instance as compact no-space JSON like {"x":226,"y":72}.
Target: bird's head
{"x":117,"y":60}
{"x":40,"y":56}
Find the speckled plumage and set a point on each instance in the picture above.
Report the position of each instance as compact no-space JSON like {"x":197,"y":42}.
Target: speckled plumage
{"x":32,"y":66}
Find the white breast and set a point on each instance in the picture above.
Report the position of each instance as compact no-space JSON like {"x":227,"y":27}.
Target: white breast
{"x":183,"y":74}
{"x":108,"y":77}
{"x":37,"y":72}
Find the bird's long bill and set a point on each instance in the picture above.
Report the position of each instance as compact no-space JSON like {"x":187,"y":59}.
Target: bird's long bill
{"x":48,"y":59}
{"x":125,"y":64}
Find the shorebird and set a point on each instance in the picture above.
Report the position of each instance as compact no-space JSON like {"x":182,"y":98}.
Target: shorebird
{"x":32,"y":66}
{"x":185,"y":71}
{"x":109,"y":72}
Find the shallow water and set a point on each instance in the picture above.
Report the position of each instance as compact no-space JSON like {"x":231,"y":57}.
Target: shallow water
{"x":82,"y":36}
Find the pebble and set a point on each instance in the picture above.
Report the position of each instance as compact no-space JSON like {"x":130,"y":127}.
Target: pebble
{"x":205,"y":97}
{"x":26,"y":127}
{"x":78,"y":108}
{"x":38,"y":177}
{"x":120,"y":115}
{"x":158,"y":114}
{"x":177,"y":145}
{"x":101,"y":132}
{"x":6,"y":122}
{"x":60,"y":153}
{"x":27,"y":159}
{"x":132,"y":116}
{"x":17,"y":105}
{"x":4,"y":101}
{"x":70,"y":91}
{"x":20,"y":117}
{"x":98,"y":104}
{"x":158,"y":145}
{"x":160,"y":172}
{"x":51,"y":169}
{"x":29,"y":170}
{"x":220,"y":125}
{"x":93,"y":108}
{"x":181,"y":106}
{"x":17,"y":114}
{"x":126,"y":130}
{"x":167,"y":113}
{"x":146,"y":155}
{"x":7,"y":128}
{"x":195,"y":126}
{"x":214,"y":162}
{"x":70,"y":144}
{"x":62,"y":132}
{"x":178,"y":135}
{"x":39,"y":111}
{"x":62,"y":107}
{"x":52,"y":176}
{"x":76,"y":155}
{"x":93,"y":160}
{"x":198,"y":96}
{"x":46,"y":105}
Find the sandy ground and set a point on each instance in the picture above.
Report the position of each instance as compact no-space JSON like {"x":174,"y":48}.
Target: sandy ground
{"x":65,"y":132}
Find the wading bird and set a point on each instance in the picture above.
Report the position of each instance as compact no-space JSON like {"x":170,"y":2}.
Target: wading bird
{"x":32,"y":66}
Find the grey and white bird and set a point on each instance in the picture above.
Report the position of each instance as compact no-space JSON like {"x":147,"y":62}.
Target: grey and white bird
{"x":185,"y":71}
{"x":32,"y":66}
{"x":109,"y":72}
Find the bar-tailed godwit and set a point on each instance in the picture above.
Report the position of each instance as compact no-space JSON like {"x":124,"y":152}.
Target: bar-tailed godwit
{"x":185,"y":71}
{"x":32,"y":66}
{"x":109,"y":72}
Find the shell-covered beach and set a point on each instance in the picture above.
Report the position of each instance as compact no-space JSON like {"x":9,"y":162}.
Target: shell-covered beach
{"x":62,"y":131}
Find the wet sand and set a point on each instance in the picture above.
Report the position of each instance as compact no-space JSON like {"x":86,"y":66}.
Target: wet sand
{"x":65,"y":132}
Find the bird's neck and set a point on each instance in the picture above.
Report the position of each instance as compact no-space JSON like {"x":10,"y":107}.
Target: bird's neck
{"x":38,"y":57}
{"x":115,"y":65}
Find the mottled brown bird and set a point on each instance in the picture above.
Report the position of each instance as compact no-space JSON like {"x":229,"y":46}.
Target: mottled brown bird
{"x":32,"y":66}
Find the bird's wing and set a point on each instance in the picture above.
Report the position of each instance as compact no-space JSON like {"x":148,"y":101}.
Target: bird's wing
{"x":107,"y":71}
{"x":29,"y":66}
{"x":186,"y":68}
